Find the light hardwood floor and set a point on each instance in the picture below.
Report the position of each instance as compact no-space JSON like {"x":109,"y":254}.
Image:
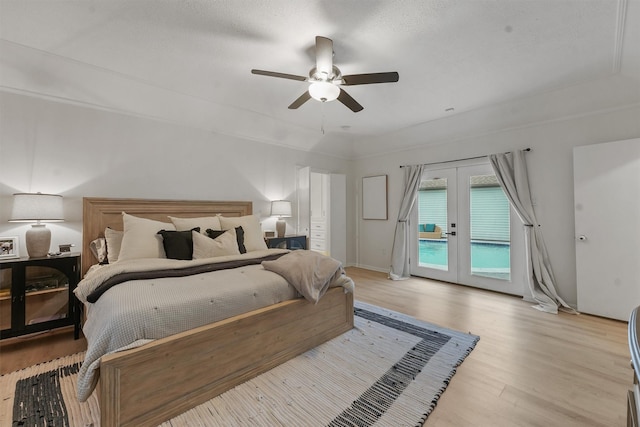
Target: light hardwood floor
{"x":529,"y":368}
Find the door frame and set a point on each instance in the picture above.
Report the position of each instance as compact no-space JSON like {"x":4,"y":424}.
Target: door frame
{"x":458,"y":205}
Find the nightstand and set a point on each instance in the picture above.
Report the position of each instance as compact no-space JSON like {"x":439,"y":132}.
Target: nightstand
{"x":36,"y":294}
{"x":287,"y":242}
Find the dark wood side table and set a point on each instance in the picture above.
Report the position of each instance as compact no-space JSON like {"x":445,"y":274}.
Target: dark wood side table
{"x":36,"y":294}
{"x":287,"y":242}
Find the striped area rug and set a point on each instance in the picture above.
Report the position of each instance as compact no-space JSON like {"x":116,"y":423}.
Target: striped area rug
{"x":389,"y":370}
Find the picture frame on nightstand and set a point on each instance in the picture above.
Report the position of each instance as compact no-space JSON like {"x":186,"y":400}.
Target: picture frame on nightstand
{"x":9,"y":247}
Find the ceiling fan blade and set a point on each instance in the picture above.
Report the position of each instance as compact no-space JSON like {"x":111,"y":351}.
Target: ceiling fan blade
{"x":365,"y":79}
{"x":351,"y":103}
{"x":281,"y":75}
{"x":324,"y":55}
{"x":301,"y":100}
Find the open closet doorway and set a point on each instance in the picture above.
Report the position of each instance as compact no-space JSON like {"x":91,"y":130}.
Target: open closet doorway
{"x":464,"y":231}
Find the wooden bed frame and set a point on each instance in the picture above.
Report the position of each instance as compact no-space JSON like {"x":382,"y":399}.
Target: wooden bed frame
{"x":153,"y":383}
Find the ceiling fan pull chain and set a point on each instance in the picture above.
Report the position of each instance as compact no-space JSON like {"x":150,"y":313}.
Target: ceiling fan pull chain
{"x":322,"y":119}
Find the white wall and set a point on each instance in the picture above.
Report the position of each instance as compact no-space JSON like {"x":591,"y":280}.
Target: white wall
{"x":80,"y":152}
{"x":77,"y":152}
{"x":550,"y":165}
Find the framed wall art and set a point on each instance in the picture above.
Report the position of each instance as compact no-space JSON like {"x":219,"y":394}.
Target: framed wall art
{"x":374,"y":197}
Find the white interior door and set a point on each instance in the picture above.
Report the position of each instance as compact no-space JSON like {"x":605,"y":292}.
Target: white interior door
{"x":607,"y":227}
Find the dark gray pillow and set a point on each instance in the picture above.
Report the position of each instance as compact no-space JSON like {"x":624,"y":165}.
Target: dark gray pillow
{"x":178,"y":244}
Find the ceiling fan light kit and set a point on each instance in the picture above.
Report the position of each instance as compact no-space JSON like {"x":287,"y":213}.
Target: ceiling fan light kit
{"x":326,"y":79}
{"x":324,"y":91}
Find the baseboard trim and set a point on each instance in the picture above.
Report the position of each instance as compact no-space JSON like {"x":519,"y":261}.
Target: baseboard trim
{"x":370,"y":267}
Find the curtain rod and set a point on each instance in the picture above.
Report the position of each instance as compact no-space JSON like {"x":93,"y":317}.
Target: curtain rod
{"x":459,"y":160}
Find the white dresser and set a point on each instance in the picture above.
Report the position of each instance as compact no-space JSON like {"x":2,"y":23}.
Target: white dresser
{"x":319,"y":240}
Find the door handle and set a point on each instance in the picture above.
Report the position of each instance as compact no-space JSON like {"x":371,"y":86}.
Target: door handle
{"x":453,"y":233}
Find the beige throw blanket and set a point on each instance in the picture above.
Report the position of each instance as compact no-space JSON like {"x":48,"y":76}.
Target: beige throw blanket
{"x":311,"y":273}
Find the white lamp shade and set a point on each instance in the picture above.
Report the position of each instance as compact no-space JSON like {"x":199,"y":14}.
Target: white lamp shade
{"x":281,"y":208}
{"x":324,"y":91}
{"x":33,"y":207}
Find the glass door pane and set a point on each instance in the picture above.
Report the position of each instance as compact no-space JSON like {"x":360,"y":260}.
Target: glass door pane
{"x":490,"y":236}
{"x":46,"y":295}
{"x":432,"y":223}
{"x":5,"y":298}
{"x":434,"y":241}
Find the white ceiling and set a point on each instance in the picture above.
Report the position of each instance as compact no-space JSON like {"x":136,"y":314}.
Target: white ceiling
{"x":189,"y":62}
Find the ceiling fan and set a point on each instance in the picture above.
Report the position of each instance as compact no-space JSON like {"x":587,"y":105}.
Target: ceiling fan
{"x":326,"y":79}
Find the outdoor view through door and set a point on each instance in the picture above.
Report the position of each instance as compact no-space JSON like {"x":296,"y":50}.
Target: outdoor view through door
{"x":463,"y":229}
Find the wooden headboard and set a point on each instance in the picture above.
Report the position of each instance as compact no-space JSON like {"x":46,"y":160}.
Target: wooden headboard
{"x":100,"y":213}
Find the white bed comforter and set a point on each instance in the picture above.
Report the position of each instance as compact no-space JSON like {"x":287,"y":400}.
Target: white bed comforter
{"x":134,"y":313}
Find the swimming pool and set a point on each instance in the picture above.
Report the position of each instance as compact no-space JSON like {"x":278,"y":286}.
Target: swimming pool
{"x":492,"y":259}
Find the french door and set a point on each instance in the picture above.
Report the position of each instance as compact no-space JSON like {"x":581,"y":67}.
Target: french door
{"x":464,"y":231}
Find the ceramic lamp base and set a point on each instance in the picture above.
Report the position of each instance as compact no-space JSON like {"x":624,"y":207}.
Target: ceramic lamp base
{"x":281,"y":227}
{"x":38,"y":241}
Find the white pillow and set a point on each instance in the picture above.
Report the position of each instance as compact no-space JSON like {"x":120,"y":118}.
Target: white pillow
{"x":114,"y":243}
{"x":140,"y":238}
{"x":184,"y":224}
{"x":250,"y":224}
{"x":206,"y":247}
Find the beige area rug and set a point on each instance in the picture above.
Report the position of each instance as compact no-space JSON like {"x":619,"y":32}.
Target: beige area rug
{"x":389,"y":370}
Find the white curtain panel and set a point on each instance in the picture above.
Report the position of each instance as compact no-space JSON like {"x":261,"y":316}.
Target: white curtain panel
{"x":400,"y":251}
{"x":511,"y":171}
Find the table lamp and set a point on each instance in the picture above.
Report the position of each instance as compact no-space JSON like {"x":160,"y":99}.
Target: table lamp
{"x":38,"y":208}
{"x":281,"y":209}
